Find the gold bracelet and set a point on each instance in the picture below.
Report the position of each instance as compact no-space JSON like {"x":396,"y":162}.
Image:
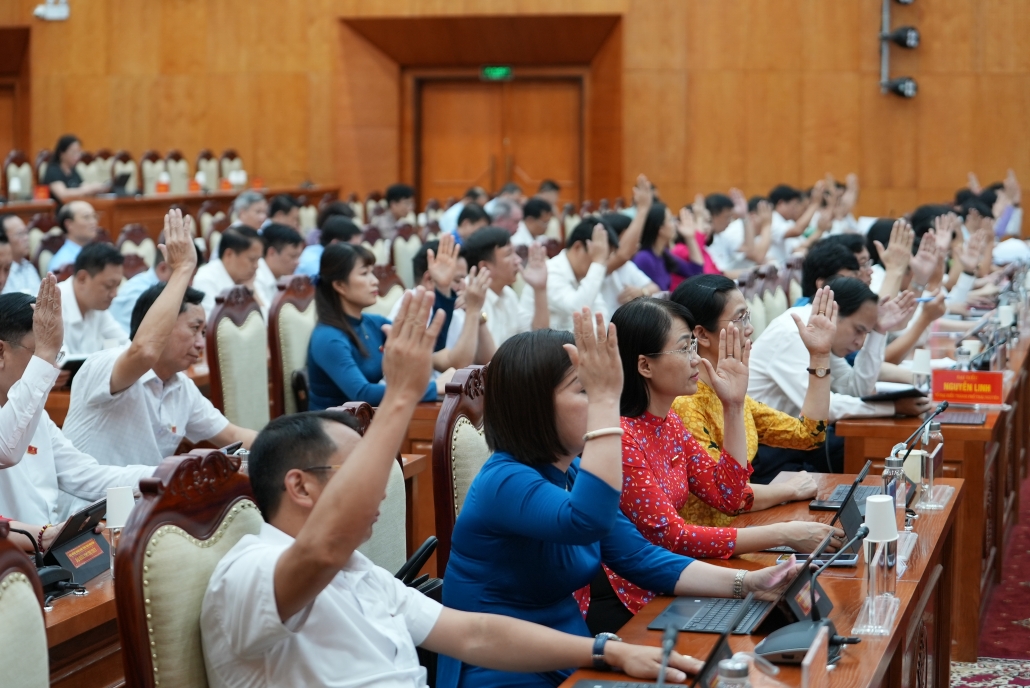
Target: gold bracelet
{"x":738,"y":584}
{"x":603,"y":432}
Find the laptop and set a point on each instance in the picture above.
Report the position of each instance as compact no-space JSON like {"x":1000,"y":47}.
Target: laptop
{"x":709,"y":674}
{"x":842,"y":492}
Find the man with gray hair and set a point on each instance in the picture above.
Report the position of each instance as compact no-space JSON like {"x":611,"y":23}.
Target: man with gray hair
{"x":505,"y":213}
{"x":250,"y":209}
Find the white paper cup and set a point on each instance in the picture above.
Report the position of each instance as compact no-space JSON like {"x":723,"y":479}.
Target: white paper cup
{"x":921,"y":362}
{"x":1006,"y":316}
{"x":973,"y":346}
{"x":881,"y":519}
{"x":119,"y":505}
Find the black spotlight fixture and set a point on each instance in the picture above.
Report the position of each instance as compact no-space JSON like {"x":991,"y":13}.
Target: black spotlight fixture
{"x":904,"y":86}
{"x":904,"y":2}
{"x":905,"y":36}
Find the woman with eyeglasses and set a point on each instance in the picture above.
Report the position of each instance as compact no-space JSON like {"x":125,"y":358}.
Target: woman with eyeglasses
{"x":715,"y":302}
{"x":663,"y":464}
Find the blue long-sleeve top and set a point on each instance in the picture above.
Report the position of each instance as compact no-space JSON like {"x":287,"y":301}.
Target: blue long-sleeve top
{"x":526,"y":539}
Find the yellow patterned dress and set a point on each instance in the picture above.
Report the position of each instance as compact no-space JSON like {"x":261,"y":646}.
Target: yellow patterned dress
{"x":702,"y":416}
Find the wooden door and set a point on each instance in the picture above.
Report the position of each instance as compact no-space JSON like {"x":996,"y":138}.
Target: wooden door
{"x":488,"y":134}
{"x":7,"y":122}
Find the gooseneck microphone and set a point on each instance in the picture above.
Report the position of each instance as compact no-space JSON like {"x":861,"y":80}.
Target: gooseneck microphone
{"x":668,"y":644}
{"x":911,"y":441}
{"x":56,"y":581}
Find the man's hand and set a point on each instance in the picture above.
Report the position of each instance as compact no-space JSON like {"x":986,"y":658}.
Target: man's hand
{"x":700,"y":211}
{"x":408,"y":352}
{"x":913,"y":406}
{"x":644,"y":662}
{"x":763,"y":214}
{"x":535,"y":270}
{"x":643,"y":194}
{"x":729,"y":376}
{"x":898,"y":253}
{"x":597,"y":247}
{"x":47,"y":324}
{"x":818,"y":334}
{"x":178,"y":248}
{"x":942,"y":231}
{"x":629,"y":293}
{"x":893,"y":313}
{"x":924,"y":262}
{"x":932,"y":310}
{"x":475,"y":290}
{"x":739,"y":203}
{"x":443,"y":265}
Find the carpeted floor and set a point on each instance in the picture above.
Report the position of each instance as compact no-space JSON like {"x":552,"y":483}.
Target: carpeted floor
{"x":1006,"y":628}
{"x":989,"y":673}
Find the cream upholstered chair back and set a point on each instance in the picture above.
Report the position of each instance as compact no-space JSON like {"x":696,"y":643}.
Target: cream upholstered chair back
{"x":18,"y":173}
{"x":291,"y":320}
{"x":775,"y":302}
{"x":22,"y":628}
{"x":178,"y":173}
{"x":48,"y":246}
{"x":208,"y":164}
{"x":404,"y":250}
{"x":459,"y":451}
{"x":103,"y":165}
{"x":375,"y":243}
{"x":795,"y":291}
{"x":208,"y":215}
{"x":359,"y":210}
{"x":135,"y":240}
{"x":124,"y":164}
{"x":758,"y":319}
{"x":193,"y":511}
{"x":390,"y":290}
{"x":308,"y":219}
{"x":389,"y":542}
{"x":229,"y":163}
{"x":238,"y":342}
{"x":152,"y":167}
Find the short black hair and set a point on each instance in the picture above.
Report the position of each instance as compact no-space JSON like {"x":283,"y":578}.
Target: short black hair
{"x":963,"y":195}
{"x":705,"y":297}
{"x":334,"y":209}
{"x":511,"y":187}
{"x":977,"y":205}
{"x":282,"y":203}
{"x":483,"y":243}
{"x":279,"y":236}
{"x":237,"y":239}
{"x":849,"y":294}
{"x":338,"y":228}
{"x":472,"y":212}
{"x":536,"y":207}
{"x":584,"y":231}
{"x":15,"y":316}
{"x":298,"y":440}
{"x":398,"y":192}
{"x":63,"y":215}
{"x":521,"y":382}
{"x":95,"y":257}
{"x":990,"y":195}
{"x":192,"y":296}
{"x":420,"y":261}
{"x":617,"y":222}
{"x":716,"y":203}
{"x":548,"y":185}
{"x":824,"y":260}
{"x":785,"y":193}
{"x":63,"y":144}
{"x":852,"y":242}
{"x":923,"y":217}
{"x":643,"y":325}
{"x":752,"y":203}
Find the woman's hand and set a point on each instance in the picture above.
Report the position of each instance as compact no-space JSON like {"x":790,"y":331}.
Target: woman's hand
{"x":805,"y":536}
{"x":729,"y":376}
{"x":50,"y":534}
{"x":644,"y":662}
{"x":803,"y":486}
{"x":770,"y":582}
{"x":895,"y":313}
{"x":596,"y":357}
{"x":822,"y":324}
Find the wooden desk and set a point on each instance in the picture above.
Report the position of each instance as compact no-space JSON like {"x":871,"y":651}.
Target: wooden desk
{"x":917,"y":651}
{"x":991,"y":458}
{"x":419,"y":440}
{"x":82,"y":634}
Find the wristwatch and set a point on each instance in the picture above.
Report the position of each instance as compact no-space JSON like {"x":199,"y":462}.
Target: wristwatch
{"x":598,"y":653}
{"x":818,"y":372}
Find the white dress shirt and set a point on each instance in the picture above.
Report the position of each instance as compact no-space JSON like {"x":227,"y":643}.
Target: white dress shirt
{"x":504,"y":316}
{"x":361,"y":630}
{"x":449,"y":219}
{"x":523,"y":237}
{"x":24,"y":278}
{"x":778,"y":372}
{"x":142,"y":424}
{"x":89,"y":333}
{"x":128,"y":294}
{"x":265,"y":285}
{"x":629,"y":275}
{"x":725,"y":249}
{"x":212,"y":279}
{"x":780,"y":247}
{"x":566,"y":294}
{"x":38,"y":462}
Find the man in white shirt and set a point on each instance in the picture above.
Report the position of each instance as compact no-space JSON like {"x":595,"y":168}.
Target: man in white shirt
{"x":791,"y":216}
{"x":297,"y":605}
{"x":128,"y":293}
{"x":283,"y":246}
{"x":510,"y":192}
{"x":239,"y":254}
{"x":135,"y":404}
{"x":283,"y":210}
{"x":37,"y":462}
{"x":79,"y":222}
{"x":250,"y":209}
{"x":449,"y":219}
{"x":23,"y":275}
{"x":6,"y":259}
{"x":86,"y":297}
{"x":491,"y":248}
{"x":400,"y":205}
{"x":536,"y":216}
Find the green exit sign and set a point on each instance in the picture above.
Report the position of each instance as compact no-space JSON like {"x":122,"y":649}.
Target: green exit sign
{"x":495,"y":73}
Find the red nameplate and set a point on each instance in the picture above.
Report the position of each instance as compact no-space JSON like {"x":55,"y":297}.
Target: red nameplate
{"x":968,"y":387}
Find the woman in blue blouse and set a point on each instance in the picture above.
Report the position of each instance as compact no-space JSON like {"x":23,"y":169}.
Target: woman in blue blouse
{"x":345,"y":355}
{"x":538,"y":521}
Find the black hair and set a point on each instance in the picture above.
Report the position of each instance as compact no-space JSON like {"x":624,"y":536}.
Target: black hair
{"x":511,"y":187}
{"x":279,"y":236}
{"x":338,"y":262}
{"x":990,"y":195}
{"x":617,"y":222}
{"x":193,"y":297}
{"x":62,"y":146}
{"x":643,"y":325}
{"x":93,"y":258}
{"x":474,"y":192}
{"x":783,"y":193}
{"x":334,"y":209}
{"x":338,"y":228}
{"x":15,"y":316}
{"x":649,"y":236}
{"x":852,"y":242}
{"x":923,"y":217}
{"x":63,"y":215}
{"x":752,"y":203}
{"x":237,"y":239}
{"x":282,"y":203}
{"x":584,"y":231}
{"x":483,"y":243}
{"x":523,"y":378}
{"x":717,"y":203}
{"x":963,"y":195}
{"x":849,"y":294}
{"x":879,"y":231}
{"x":472,"y":212}
{"x":977,"y":205}
{"x":705,"y":297}
{"x":824,"y":260}
{"x":399,"y":192}
{"x":548,"y":185}
{"x":296,"y":441}
{"x":420,"y":261}
{"x":536,"y":207}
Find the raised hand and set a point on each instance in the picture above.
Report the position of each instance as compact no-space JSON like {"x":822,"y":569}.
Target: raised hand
{"x":643,"y":194}
{"x":924,"y":262}
{"x":894,"y":313}
{"x":597,"y":247}
{"x":535,"y":270}
{"x":700,"y":210}
{"x":971,"y":252}
{"x":443,"y":265}
{"x":729,"y":376}
{"x":47,"y":324}
{"x":898,"y":253}
{"x":688,"y":223}
{"x":178,"y":248}
{"x":475,"y":290}
{"x":822,"y":323}
{"x":932,"y":310}
{"x":974,"y":183}
{"x":596,"y":357}
{"x":408,"y":352}
{"x":739,"y":203}
{"x":763,"y":214}
{"x":1012,"y":188}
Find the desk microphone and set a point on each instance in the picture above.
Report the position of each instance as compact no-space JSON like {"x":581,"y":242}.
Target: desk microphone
{"x":668,"y":644}
{"x":54,"y":579}
{"x":911,"y":441}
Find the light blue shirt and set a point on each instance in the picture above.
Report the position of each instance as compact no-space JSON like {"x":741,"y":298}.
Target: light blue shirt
{"x":449,"y":219}
{"x":128,"y":293}
{"x":68,"y":252}
{"x":24,"y":278}
{"x":310,"y":260}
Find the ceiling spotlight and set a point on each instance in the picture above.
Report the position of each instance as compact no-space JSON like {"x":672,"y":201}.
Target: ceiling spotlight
{"x":905,"y":36}
{"x":903,"y":86}
{"x":904,"y":2}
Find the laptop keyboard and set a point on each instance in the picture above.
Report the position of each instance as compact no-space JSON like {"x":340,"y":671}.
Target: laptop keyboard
{"x":714,"y":616}
{"x":861,"y":492}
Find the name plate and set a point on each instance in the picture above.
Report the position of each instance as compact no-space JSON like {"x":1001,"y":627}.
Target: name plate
{"x":87,"y":556}
{"x":969,"y":387}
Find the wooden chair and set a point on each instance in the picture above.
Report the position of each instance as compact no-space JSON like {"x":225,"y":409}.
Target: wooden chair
{"x":791,"y":278}
{"x":569,"y":220}
{"x":553,"y":247}
{"x":229,"y":162}
{"x":39,"y":226}
{"x":65,"y":272}
{"x":374,"y":205}
{"x":209,"y":213}
{"x":459,"y":451}
{"x":238,"y":357}
{"x":152,"y":166}
{"x":208,"y":164}
{"x":18,"y":179}
{"x":103,"y":165}
{"x":291,"y":320}
{"x":22,"y":627}
{"x":193,"y":511}
{"x":43,"y":158}
{"x":178,"y":172}
{"x":391,"y":289}
{"x":375,"y":243}
{"x":48,"y":246}
{"x":405,"y":245}
{"x":773,"y":295}
{"x":85,"y":167}
{"x":214,"y":237}
{"x":133,"y":265}
{"x":135,"y":240}
{"x":124,"y":164}
{"x":358,"y":207}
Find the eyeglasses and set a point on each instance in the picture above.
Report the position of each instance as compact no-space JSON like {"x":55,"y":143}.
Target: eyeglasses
{"x":742,"y":321}
{"x":333,"y":467}
{"x":689,"y":350}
